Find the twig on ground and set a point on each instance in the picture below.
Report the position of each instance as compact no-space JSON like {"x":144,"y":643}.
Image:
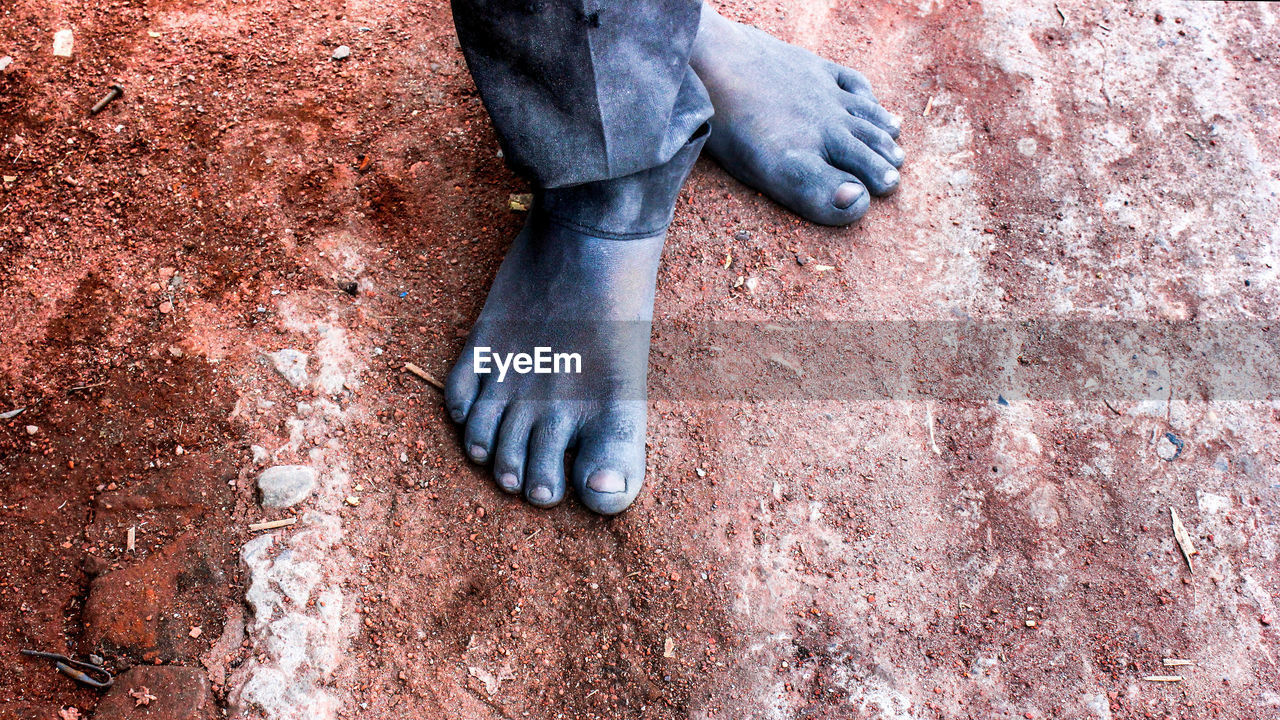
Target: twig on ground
{"x":1183,"y":538}
{"x":272,"y":524}
{"x":426,"y":377}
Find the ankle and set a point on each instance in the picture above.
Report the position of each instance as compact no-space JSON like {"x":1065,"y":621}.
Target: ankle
{"x":626,"y":208}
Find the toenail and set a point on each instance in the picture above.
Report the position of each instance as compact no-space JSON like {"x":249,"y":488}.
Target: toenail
{"x":458,"y":414}
{"x":898,"y":153}
{"x":891,"y":177}
{"x":847,"y":194}
{"x":895,"y":120}
{"x":607,"y":481}
{"x":541,"y":493}
{"x":477,"y":452}
{"x":509,"y":481}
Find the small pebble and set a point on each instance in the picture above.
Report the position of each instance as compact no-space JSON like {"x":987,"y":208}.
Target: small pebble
{"x":342,"y":53}
{"x":4,"y":62}
{"x":32,"y":429}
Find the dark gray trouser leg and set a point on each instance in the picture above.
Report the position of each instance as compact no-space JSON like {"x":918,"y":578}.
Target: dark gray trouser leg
{"x":585,"y":90}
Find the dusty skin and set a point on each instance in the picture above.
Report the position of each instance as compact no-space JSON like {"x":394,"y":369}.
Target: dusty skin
{"x":786,"y":558}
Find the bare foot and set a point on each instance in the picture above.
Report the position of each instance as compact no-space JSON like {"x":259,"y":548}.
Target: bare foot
{"x":805,"y":131}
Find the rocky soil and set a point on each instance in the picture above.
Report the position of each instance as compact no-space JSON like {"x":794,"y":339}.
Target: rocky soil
{"x":918,"y":468}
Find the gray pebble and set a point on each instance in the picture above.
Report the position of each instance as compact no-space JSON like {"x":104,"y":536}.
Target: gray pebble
{"x":284,"y":486}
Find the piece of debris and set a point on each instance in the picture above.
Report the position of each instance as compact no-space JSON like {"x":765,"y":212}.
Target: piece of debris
{"x":520,"y":202}
{"x":424,"y":375}
{"x":933,"y":442}
{"x":10,"y":179}
{"x":62,"y":42}
{"x":1176,"y":662}
{"x":1169,"y":447}
{"x":153,"y":34}
{"x":728,"y":260}
{"x":32,"y":429}
{"x":352,"y":500}
{"x":113,"y":92}
{"x":196,"y":631}
{"x":342,"y":52}
{"x":272,"y":524}
{"x":131,"y":538}
{"x":1031,"y":623}
{"x":11,"y":414}
{"x":5,"y":62}
{"x":491,"y":681}
{"x":350,"y":287}
{"x":1183,"y":539}
{"x":69,"y":713}
{"x":1163,"y":678}
{"x":783,"y":362}
{"x":141,"y":696}
{"x":85,"y":673}
{"x":669,"y":648}
{"x":928,"y":108}
{"x":752,"y":283}
{"x":823,"y":268}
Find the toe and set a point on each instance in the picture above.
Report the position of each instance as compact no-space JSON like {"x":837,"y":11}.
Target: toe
{"x":868,"y":109}
{"x":482,"y":428}
{"x":815,"y":189}
{"x":461,"y":388}
{"x":544,"y":471}
{"x":878,"y":140}
{"x":852,"y":155}
{"x":608,"y":470}
{"x":510,"y":453}
{"x":852,"y":81}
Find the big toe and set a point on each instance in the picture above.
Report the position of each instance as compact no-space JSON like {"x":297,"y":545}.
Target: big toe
{"x":820,"y":192}
{"x":608,"y":470}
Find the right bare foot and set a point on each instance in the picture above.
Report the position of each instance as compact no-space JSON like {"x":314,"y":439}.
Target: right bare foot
{"x":579,"y":280}
{"x":804,"y":131}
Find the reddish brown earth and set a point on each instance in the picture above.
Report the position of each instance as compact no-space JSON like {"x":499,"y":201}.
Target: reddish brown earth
{"x":966,"y":533}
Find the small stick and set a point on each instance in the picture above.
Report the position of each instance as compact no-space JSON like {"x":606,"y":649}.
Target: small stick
{"x":273,"y":524}
{"x":1175,"y":662}
{"x":1163,"y":678}
{"x":130,"y":538}
{"x":1183,"y":539}
{"x":427,"y":377}
{"x":933,"y":445}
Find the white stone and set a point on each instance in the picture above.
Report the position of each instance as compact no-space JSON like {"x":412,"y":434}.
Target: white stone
{"x":62,"y":42}
{"x":292,"y":366}
{"x":342,"y":52}
{"x":284,"y":486}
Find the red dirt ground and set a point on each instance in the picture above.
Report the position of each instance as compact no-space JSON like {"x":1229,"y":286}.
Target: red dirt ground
{"x":795,"y":554}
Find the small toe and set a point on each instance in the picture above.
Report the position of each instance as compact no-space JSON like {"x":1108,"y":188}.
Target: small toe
{"x":824,"y":194}
{"x":544,"y":470}
{"x":878,"y":140}
{"x":852,"y":81}
{"x":854,"y":156}
{"x":482,"y":428}
{"x":867,"y":109}
{"x":460,"y":389}
{"x":510,"y":452}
